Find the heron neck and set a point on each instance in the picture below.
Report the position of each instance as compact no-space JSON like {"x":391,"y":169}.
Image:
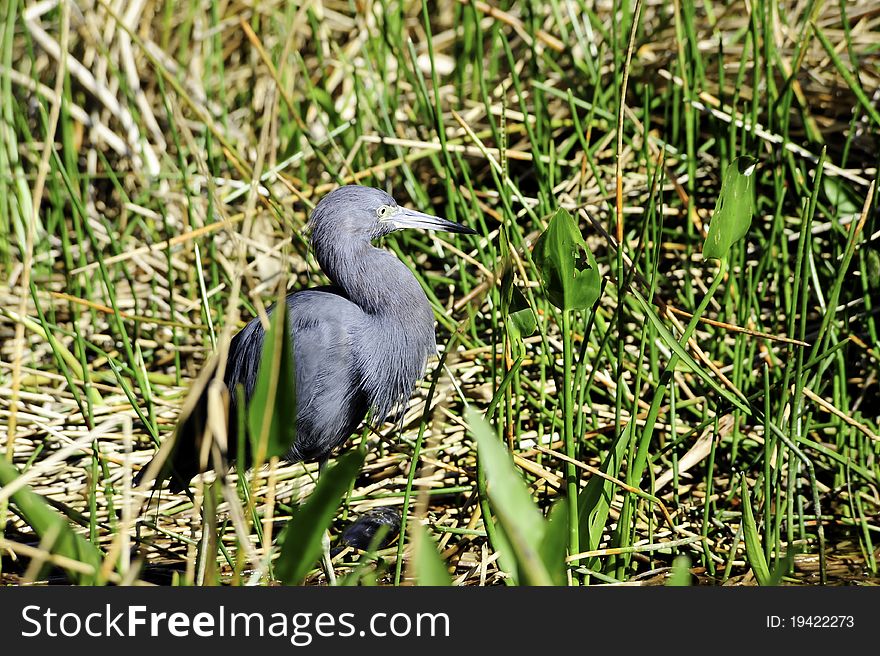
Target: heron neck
{"x":373,"y":278}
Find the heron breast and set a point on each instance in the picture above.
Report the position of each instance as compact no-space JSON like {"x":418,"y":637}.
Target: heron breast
{"x":394,"y":358}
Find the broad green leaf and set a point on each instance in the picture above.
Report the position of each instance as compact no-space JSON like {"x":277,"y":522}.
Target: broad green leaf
{"x":48,"y":523}
{"x":839,"y":196}
{"x":206,"y":559}
{"x":506,"y":554}
{"x":734,"y":209}
{"x":181,"y":455}
{"x":555,"y":543}
{"x":694,"y":366}
{"x":783,"y":567}
{"x":520,"y":319}
{"x":569,"y":272}
{"x":302,"y":536}
{"x":754,"y":551}
{"x":681,"y":572}
{"x":503,"y":244}
{"x":594,"y":500}
{"x":272,"y":410}
{"x":500,"y":542}
{"x":428,"y":566}
{"x":519,"y":517}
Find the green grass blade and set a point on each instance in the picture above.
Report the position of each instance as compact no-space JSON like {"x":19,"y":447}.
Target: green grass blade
{"x":272,"y":410}
{"x":553,"y":545}
{"x":428,"y":566}
{"x":754,"y":550}
{"x":693,"y":365}
{"x":47,"y":522}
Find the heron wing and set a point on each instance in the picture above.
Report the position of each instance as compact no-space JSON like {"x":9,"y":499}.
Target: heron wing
{"x":330,"y":400}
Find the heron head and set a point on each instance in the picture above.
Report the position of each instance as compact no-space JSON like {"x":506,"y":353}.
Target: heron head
{"x":366,"y":213}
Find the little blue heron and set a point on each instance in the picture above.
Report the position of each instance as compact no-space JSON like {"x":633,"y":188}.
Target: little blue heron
{"x":360,"y":344}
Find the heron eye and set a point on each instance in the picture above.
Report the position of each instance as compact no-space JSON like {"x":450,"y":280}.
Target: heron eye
{"x":382,"y":211}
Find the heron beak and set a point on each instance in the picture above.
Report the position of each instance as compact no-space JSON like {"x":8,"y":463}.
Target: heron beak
{"x":407,"y":218}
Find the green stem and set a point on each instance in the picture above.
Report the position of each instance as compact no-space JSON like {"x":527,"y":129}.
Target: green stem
{"x":571,"y":473}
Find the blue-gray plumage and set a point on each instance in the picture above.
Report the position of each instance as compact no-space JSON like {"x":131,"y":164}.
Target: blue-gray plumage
{"x":360,"y":344}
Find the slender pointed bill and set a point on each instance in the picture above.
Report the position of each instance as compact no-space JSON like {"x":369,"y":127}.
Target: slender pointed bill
{"x":407,"y":218}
